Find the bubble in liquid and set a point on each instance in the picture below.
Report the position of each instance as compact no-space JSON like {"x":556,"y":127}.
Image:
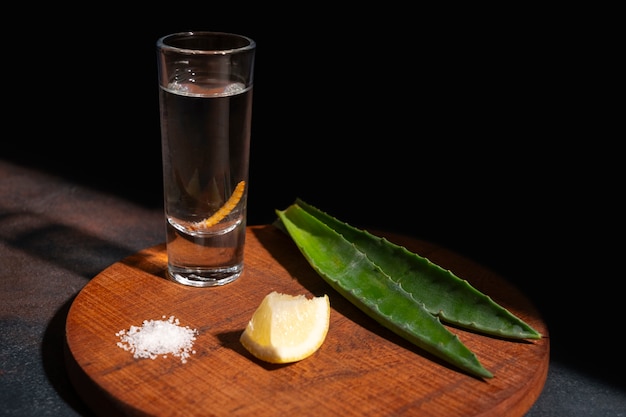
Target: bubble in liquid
{"x":234,"y":88}
{"x":195,"y":89}
{"x":175,"y":86}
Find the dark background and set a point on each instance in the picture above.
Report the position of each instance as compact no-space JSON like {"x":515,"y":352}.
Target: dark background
{"x":473,"y":129}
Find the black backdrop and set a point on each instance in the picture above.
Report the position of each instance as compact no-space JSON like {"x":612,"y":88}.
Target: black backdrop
{"x":451,"y":126}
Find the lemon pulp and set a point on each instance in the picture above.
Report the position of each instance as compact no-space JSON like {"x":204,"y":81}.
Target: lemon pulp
{"x":287,"y":328}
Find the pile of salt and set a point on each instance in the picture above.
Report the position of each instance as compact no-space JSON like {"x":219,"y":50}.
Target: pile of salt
{"x":158,"y":337}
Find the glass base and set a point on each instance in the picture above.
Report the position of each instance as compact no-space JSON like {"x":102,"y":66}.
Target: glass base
{"x":204,"y":277}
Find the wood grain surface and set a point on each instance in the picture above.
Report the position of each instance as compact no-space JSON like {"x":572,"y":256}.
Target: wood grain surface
{"x":362,"y":369}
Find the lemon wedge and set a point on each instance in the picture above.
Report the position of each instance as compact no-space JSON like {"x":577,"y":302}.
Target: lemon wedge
{"x":287,"y":328}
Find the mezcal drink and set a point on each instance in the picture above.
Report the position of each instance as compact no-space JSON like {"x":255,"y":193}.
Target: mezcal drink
{"x":205,"y":98}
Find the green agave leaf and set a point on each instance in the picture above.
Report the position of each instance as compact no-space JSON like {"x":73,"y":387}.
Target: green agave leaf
{"x":352,"y":274}
{"x":441,"y":292}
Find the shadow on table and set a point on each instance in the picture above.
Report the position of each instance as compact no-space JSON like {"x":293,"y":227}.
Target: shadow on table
{"x":52,"y":354}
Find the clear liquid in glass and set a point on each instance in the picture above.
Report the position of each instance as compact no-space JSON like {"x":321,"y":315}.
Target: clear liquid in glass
{"x":205,"y":125}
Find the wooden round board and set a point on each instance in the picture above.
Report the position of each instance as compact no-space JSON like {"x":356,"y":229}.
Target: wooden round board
{"x":361,"y":369}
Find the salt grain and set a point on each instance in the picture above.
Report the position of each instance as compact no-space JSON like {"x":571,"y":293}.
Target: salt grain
{"x":158,"y":337}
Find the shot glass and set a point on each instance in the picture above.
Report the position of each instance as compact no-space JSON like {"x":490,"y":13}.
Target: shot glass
{"x":205,"y":102}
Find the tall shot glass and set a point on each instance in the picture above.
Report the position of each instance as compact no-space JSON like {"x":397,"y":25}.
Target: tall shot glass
{"x":205,"y":101}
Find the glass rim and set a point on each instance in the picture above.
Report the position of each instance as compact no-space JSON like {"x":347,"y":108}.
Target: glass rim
{"x":163,"y":45}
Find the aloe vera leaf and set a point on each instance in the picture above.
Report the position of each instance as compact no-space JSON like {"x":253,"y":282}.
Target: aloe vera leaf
{"x":364,"y":284}
{"x":441,"y":292}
